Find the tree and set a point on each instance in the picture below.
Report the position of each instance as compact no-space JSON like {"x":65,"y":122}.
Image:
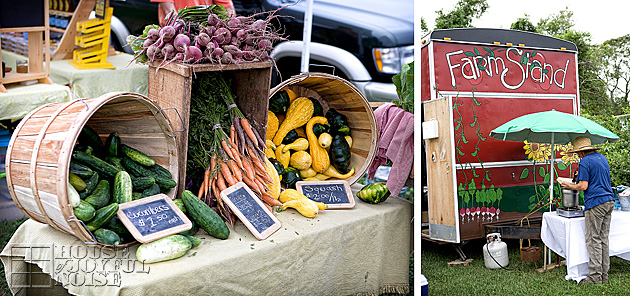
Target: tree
{"x":556,"y":24}
{"x":462,"y":15}
{"x":523,"y":24}
{"x":423,"y":26}
{"x":615,"y":72}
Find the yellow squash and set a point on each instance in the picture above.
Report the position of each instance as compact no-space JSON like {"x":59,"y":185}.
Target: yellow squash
{"x":321,"y":162}
{"x":300,"y":160}
{"x":317,"y":177}
{"x":307,"y":173}
{"x":283,"y":157}
{"x":306,"y":207}
{"x":324,"y":140}
{"x":349,"y":140}
{"x":300,"y":144}
{"x":298,"y":114}
{"x":272,"y":125}
{"x":274,"y":187}
{"x":269,"y":149}
{"x":333,"y":173}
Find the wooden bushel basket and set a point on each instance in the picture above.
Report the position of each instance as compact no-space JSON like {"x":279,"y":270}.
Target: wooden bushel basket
{"x":335,"y":92}
{"x":40,"y":151}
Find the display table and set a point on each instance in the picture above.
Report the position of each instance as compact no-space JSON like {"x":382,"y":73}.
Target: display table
{"x":340,"y":252}
{"x":19,"y":99}
{"x":565,"y":236}
{"x":93,"y":83}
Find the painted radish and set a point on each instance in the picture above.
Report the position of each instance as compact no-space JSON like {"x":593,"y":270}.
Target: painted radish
{"x":493,"y":211}
{"x":483,"y":213}
{"x":462,"y":213}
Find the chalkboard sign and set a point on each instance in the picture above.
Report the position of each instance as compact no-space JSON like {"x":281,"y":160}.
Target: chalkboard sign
{"x":152,"y":218}
{"x":22,"y":13}
{"x":336,"y":194}
{"x":250,"y":210}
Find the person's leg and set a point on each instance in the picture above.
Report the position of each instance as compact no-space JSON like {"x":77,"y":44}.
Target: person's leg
{"x":592,"y":226}
{"x":607,"y":207}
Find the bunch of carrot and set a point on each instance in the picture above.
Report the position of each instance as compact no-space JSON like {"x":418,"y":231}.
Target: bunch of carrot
{"x":237,"y":157}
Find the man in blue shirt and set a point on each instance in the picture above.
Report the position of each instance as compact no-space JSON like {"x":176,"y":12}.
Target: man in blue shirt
{"x":594,"y":179}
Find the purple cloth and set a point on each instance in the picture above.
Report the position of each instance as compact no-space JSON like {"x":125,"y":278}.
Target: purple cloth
{"x":395,"y":142}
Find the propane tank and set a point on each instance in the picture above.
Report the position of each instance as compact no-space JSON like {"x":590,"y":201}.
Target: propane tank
{"x":497,"y":250}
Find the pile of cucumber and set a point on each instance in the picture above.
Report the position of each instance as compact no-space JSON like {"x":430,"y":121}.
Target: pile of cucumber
{"x":104,"y":175}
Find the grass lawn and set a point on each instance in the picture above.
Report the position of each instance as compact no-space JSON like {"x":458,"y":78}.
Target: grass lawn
{"x":476,"y":279}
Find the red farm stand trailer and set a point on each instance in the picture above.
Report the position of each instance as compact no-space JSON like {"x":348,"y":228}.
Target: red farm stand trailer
{"x":474,"y":80}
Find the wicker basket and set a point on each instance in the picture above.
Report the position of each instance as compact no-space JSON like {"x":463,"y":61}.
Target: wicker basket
{"x":40,"y":150}
{"x":334,"y":92}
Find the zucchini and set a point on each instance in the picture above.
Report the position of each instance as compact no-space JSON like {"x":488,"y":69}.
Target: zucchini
{"x":137,"y":156}
{"x":73,"y":196}
{"x":100,"y":196}
{"x":77,"y":182}
{"x":160,"y":170}
{"x":340,"y":154}
{"x":100,"y":166}
{"x":92,"y":182}
{"x":115,"y":161}
{"x":107,"y":237}
{"x":112,"y":144}
{"x":204,"y":216}
{"x":153,"y":190}
{"x":195,"y":241}
{"x":89,"y":137}
{"x":84,"y":211}
{"x":166,"y":248}
{"x":80,"y":170}
{"x":122,"y":188}
{"x":142,"y":183}
{"x":102,"y":216}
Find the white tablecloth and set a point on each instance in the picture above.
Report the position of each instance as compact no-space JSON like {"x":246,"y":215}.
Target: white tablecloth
{"x":565,"y":236}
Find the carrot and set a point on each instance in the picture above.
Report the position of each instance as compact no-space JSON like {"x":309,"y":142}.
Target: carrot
{"x":237,"y":157}
{"x":201,"y":188}
{"x":240,"y":137}
{"x":232,"y":135}
{"x":221,"y":181}
{"x":217,"y":193}
{"x":238,"y":174}
{"x":226,"y":174}
{"x":269,"y":199}
{"x":249,"y":171}
{"x":253,"y":186}
{"x":268,"y":207}
{"x":227,"y":149}
{"x":261,"y":185}
{"x":248,"y":130}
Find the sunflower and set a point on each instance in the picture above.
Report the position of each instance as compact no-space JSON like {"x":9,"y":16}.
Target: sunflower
{"x":537,"y":152}
{"x":566,"y":156}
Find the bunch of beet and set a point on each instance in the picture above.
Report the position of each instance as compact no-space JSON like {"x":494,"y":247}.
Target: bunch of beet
{"x":219,"y":38}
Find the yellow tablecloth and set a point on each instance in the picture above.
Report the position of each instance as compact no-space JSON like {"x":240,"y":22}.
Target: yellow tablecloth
{"x":364,"y":250}
{"x":93,"y":83}
{"x":19,"y":100}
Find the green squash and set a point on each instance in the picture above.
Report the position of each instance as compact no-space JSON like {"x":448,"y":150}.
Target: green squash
{"x":374,"y":193}
{"x":319,"y":129}
{"x":290,"y":137}
{"x":317,"y":107}
{"x":279,"y":102}
{"x":290,"y":176}
{"x":338,"y":122}
{"x":340,"y":154}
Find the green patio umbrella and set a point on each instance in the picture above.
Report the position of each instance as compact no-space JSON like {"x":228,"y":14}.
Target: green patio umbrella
{"x":552,"y":127}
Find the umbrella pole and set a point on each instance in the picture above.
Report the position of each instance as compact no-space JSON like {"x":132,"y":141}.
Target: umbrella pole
{"x":553,"y":158}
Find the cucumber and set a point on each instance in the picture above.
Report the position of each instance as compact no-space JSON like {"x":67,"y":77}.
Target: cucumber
{"x":126,"y":238}
{"x":107,"y":237}
{"x":137,"y":156}
{"x":92,"y":182}
{"x":136,"y":195}
{"x":89,"y":150}
{"x":77,"y":182}
{"x":102,"y":216}
{"x":80,"y":170}
{"x":112,"y":144}
{"x":160,"y":170}
{"x":100,"y":166}
{"x":142,"y":183}
{"x":89,"y":137}
{"x":115,"y":161}
{"x":137,"y":170}
{"x":166,"y":248}
{"x":122,"y":188}
{"x":100,"y":196}
{"x":204,"y":216}
{"x":180,"y":204}
{"x":73,"y":196}
{"x":84,"y":211}
{"x":195,"y":241}
{"x":153,"y":190}
{"x":116,"y":225}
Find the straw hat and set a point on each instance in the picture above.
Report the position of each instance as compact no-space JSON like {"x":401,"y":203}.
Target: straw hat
{"x":582,"y":144}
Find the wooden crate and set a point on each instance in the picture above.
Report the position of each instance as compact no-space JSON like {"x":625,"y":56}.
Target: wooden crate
{"x":39,"y":153}
{"x":171,"y":86}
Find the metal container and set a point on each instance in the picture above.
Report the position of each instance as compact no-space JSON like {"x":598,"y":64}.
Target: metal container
{"x":570,"y":198}
{"x":495,"y":253}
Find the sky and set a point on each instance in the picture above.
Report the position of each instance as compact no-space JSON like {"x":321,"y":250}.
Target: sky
{"x":604,"y":19}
